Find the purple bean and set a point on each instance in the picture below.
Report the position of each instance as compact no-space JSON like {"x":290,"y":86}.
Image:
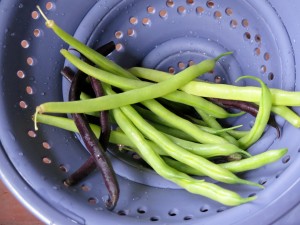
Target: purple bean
{"x":248,"y":107}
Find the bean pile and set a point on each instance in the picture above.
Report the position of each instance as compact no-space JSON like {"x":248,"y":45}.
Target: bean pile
{"x":171,"y":122}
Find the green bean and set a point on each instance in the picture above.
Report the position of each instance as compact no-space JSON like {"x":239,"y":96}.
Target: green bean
{"x":128,"y":97}
{"x":207,"y":167}
{"x":243,"y":165}
{"x":208,"y":150}
{"x":119,"y":138}
{"x":128,"y":84}
{"x":182,"y":124}
{"x":288,"y":114}
{"x":223,"y":91}
{"x":262,"y":117}
{"x":89,"y":53}
{"x":156,"y":119}
{"x":103,"y":62}
{"x":116,"y":137}
{"x":200,"y":187}
{"x":213,"y":123}
{"x":238,"y":133}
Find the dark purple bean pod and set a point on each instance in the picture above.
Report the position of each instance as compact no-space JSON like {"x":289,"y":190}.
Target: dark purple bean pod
{"x":104,"y":115}
{"x":94,"y":147}
{"x":89,"y":166}
{"x":248,"y":107}
{"x":85,"y":170}
{"x":98,"y":157}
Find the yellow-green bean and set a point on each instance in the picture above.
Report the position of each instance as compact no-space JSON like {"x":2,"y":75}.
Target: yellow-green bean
{"x":223,"y":91}
{"x":242,"y":165}
{"x":192,"y":185}
{"x":175,"y":151}
{"x":262,"y":117}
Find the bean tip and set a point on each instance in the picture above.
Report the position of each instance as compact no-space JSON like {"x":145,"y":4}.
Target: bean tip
{"x":222,"y":55}
{"x":111,"y":202}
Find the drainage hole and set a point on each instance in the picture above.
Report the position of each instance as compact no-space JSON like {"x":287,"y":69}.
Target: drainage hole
{"x":31,"y":61}
{"x":190,"y":2}
{"x":263,"y":69}
{"x":173,"y":212}
{"x":50,"y":6}
{"x":92,"y":201}
{"x":146,"y":21}
{"x":172,"y":70}
{"x":23,"y":104}
{"x":31,"y":134}
{"x":204,"y":208}
{"x":29,"y":90}
{"x":218,"y":15}
{"x":151,"y":10}
{"x":133,"y":20}
{"x":37,"y":32}
{"x":257,"y":51}
{"x":119,"y":34}
{"x":85,"y":188}
{"x":187,"y":218}
{"x":123,"y":212}
{"x":218,"y":79}
{"x":154,"y":218}
{"x":21,"y":74}
{"x":286,"y":159}
{"x":35,"y":15}
{"x":221,"y":209}
{"x":181,"y":10}
{"x":257,"y":38}
{"x":199,"y":10}
{"x":181,"y":65}
{"x":142,"y":210}
{"x":163,"y":14}
{"x":24,"y":44}
{"x":210,"y":4}
{"x":251,"y":195}
{"x":63,"y":168}
{"x":245,"y":23}
{"x":271,"y":76}
{"x":229,"y":11}
{"x":233,"y":23}
{"x":170,"y":3}
{"x":119,"y":47}
{"x":46,"y":145}
{"x":267,"y":56}
{"x":263,"y":181}
{"x":247,"y":36}
{"x":46,"y":160}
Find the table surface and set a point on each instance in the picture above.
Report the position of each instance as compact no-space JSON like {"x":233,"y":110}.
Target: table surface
{"x":12,"y":212}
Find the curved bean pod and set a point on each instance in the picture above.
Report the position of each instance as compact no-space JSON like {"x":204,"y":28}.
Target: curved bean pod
{"x":262,"y":118}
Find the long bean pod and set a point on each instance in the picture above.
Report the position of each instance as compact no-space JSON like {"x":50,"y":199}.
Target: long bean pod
{"x":213,"y":123}
{"x":243,"y":165}
{"x":129,"y":84}
{"x":263,"y":115}
{"x":119,"y":138}
{"x":201,"y":187}
{"x":178,"y":153}
{"x":90,"y":165}
{"x":288,"y":114}
{"x":182,"y":124}
{"x":223,"y":91}
{"x":131,"y":96}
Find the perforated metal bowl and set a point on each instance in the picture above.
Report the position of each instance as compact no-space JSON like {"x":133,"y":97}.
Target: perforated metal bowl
{"x":166,"y":35}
